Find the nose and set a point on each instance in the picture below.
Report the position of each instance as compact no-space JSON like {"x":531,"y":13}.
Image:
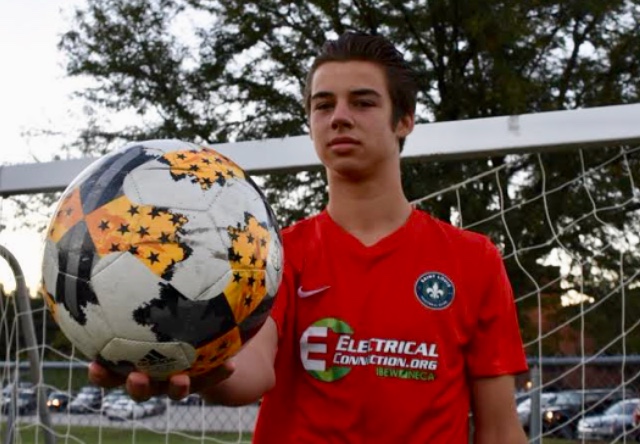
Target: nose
{"x":342,"y":117}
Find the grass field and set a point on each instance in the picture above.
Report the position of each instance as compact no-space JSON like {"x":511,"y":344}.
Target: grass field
{"x":560,"y":441}
{"x":121,"y":436}
{"x":27,"y":435}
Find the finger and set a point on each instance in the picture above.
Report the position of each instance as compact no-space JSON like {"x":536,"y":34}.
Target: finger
{"x":138,"y":386}
{"x":179,"y":386}
{"x":102,"y":377}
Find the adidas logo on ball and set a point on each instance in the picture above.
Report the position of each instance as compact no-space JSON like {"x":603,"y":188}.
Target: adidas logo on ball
{"x":155,"y":359}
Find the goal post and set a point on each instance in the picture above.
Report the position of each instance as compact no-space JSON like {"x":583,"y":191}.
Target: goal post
{"x":462,"y":139}
{"x":25,"y":321}
{"x":562,"y":203}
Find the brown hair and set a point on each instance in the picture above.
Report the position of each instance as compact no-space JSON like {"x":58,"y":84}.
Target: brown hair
{"x":401,"y":81}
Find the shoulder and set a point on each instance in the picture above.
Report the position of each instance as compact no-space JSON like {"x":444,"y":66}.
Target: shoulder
{"x":462,"y":240}
{"x":298,"y":239}
{"x":301,"y":230}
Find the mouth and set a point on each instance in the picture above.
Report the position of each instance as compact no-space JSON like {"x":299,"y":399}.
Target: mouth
{"x":343,"y":141}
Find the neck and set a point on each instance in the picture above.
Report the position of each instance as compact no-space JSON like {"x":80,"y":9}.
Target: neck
{"x":368,"y":209}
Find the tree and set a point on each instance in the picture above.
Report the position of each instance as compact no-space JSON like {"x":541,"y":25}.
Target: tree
{"x":219,"y":70}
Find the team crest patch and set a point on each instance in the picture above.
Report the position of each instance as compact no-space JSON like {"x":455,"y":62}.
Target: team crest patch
{"x":435,"y":290}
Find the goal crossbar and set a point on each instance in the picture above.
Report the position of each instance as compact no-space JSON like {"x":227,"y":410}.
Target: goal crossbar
{"x":443,"y":140}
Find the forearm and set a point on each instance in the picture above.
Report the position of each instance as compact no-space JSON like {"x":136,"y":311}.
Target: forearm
{"x":510,"y":435}
{"x":494,"y":412}
{"x":253,"y":376}
{"x":254,"y":372}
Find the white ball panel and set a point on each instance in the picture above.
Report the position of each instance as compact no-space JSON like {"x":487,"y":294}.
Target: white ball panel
{"x":105,"y":261}
{"x":50,"y":266}
{"x":217,"y":288}
{"x":123,"y":287}
{"x":275,"y":264}
{"x":152,"y":148}
{"x":91,"y":337}
{"x":229,"y":207}
{"x":208,"y":266}
{"x":152,"y":184}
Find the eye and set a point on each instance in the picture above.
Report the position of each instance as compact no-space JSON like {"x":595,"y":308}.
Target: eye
{"x":322,"y":106}
{"x":364,"y":103}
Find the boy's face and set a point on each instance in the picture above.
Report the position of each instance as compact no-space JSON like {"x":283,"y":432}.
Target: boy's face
{"x":350,"y":118}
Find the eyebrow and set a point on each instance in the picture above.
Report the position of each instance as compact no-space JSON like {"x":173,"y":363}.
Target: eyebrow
{"x":355,"y":92}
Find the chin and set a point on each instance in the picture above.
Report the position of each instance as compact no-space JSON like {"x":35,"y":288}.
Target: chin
{"x":351,"y":170}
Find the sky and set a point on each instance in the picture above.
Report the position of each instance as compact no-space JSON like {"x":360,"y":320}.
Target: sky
{"x":34,"y":96}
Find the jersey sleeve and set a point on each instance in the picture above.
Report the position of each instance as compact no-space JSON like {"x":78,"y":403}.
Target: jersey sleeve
{"x":496,"y":346}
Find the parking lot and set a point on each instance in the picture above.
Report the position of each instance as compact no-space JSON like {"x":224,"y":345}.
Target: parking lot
{"x":176,"y":417}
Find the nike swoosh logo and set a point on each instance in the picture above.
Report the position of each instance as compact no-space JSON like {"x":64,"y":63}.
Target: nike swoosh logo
{"x":305,"y":294}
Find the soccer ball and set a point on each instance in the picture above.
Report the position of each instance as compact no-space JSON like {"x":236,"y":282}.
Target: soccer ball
{"x":162,"y":256}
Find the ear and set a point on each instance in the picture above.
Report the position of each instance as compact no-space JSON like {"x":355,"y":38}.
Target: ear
{"x":405,"y":125}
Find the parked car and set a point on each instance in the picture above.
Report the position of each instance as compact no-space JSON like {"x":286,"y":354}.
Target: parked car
{"x":521,"y":396}
{"x":192,"y":399}
{"x":22,"y":385}
{"x":112,"y":397}
{"x":561,"y":416}
{"x":524,"y":408}
{"x":58,"y":401}
{"x":154,"y":406}
{"x":26,"y":402}
{"x":125,"y":408}
{"x":614,"y":422}
{"x":89,"y":400}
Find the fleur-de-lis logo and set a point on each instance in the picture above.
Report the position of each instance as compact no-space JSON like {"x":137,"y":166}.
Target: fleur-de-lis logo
{"x":435,"y":290}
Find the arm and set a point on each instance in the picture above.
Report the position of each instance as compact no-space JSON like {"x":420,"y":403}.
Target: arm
{"x":244,"y":378}
{"x":494,"y":411}
{"x":253,"y":371}
{"x":494,"y":355}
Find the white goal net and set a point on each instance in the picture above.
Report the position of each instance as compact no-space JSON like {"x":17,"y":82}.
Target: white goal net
{"x":557,"y":192}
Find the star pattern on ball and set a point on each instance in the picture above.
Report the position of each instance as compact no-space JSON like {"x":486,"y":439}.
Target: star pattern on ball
{"x":216,"y":352}
{"x":248,"y":261}
{"x":151,"y":234}
{"x":68,"y":214}
{"x":204,"y":167}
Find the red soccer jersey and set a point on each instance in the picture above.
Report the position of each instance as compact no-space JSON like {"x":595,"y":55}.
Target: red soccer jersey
{"x":377,"y":344}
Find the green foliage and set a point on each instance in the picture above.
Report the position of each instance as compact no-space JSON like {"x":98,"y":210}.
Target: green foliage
{"x":12,"y":345}
{"x":220,"y":70}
